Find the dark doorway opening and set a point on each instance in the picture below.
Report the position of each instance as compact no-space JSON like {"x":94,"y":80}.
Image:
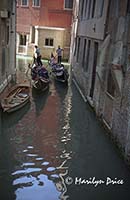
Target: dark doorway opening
{"x":94,"y":69}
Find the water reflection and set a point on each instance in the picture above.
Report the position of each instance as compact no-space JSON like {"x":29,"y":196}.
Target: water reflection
{"x":54,"y":138}
{"x":65,"y":94}
{"x":39,"y":99}
{"x":61,"y":186}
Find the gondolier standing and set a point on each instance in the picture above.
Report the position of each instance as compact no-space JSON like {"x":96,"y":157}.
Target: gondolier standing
{"x":37,"y":55}
{"x":59,"y":54}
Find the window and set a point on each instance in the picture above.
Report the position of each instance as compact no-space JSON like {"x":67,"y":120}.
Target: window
{"x":68,"y":4}
{"x":23,"y":39}
{"x":7,"y":35}
{"x":3,"y":60}
{"x":49,"y":42}
{"x":89,"y":8}
{"x":82,"y":7}
{"x":101,"y":8}
{"x":128,"y":6}
{"x":86,"y":6}
{"x":24,"y":2}
{"x":36,"y":3}
{"x":93,"y":8}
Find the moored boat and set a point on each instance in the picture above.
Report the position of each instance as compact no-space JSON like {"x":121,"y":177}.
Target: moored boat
{"x":16,"y":98}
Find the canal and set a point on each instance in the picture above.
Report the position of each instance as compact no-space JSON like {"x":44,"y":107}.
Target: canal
{"x":54,"y":148}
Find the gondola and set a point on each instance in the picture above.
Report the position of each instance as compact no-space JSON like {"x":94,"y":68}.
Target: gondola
{"x":40,"y":84}
{"x":59,"y":72}
{"x":40,"y":78}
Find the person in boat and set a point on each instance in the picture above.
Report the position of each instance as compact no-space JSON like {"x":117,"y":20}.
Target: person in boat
{"x":37,"y":56}
{"x":52,"y":60}
{"x":34,"y":72}
{"x":42,"y":72}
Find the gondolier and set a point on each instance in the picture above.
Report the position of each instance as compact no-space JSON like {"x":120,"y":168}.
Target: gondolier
{"x":37,"y":55}
{"x":59,"y":54}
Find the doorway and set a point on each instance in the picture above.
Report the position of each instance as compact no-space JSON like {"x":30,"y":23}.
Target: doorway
{"x":94,"y":69}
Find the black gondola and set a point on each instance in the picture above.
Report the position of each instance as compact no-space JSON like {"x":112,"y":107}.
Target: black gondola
{"x":40,"y":78}
{"x":59,"y":73}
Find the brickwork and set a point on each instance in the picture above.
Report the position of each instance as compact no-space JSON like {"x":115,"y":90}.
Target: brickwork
{"x":48,"y":14}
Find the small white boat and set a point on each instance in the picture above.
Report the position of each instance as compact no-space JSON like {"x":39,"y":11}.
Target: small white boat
{"x":16,"y":98}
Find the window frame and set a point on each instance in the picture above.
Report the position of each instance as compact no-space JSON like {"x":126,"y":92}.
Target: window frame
{"x":24,"y":39}
{"x":35,"y":5}
{"x":128,"y":7}
{"x":49,"y":42}
{"x":68,"y":8}
{"x":25,"y":5}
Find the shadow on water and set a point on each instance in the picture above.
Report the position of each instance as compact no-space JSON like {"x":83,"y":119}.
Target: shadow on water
{"x":7,"y":191}
{"x":40,"y":99}
{"x":61,"y":88}
{"x":11,"y":119}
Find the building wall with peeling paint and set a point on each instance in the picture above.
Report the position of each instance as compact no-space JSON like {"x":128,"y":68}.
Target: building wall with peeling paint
{"x":111,"y":93}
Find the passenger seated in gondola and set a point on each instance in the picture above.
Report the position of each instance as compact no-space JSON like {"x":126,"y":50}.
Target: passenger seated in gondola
{"x":43,"y":72}
{"x":52,"y":61}
{"x":34,"y":72}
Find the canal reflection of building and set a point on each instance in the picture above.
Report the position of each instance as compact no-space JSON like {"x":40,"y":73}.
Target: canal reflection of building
{"x":22,"y":68}
{"x":36,"y":139}
{"x":37,"y":147}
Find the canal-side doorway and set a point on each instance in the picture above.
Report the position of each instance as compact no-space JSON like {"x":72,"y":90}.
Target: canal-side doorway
{"x":94,"y":69}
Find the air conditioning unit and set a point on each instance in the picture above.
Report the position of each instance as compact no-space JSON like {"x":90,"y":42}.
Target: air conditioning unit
{"x":4,"y":14}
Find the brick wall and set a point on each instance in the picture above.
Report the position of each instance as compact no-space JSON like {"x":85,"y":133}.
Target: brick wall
{"x":50,"y":13}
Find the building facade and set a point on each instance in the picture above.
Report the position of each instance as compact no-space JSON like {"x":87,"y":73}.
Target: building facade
{"x":74,"y":27}
{"x":7,"y":42}
{"x":44,"y":23}
{"x":101,"y":63}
